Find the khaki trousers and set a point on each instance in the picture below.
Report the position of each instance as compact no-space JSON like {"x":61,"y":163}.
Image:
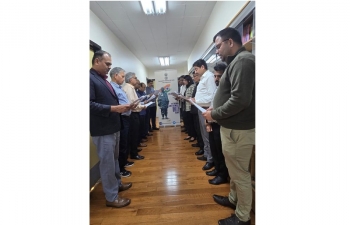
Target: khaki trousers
{"x":237,"y":146}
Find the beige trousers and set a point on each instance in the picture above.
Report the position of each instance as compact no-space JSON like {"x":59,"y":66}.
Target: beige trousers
{"x":237,"y":148}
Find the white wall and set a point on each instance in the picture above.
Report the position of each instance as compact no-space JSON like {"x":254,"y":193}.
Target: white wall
{"x":220,"y":17}
{"x":121,"y":55}
{"x":180,"y":71}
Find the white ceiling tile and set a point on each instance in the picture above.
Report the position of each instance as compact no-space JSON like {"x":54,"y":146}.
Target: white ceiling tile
{"x":176,"y":10}
{"x":132,"y":7}
{"x":109,"y":4}
{"x":116,"y":14}
{"x":194,"y":9}
{"x":191,"y":20}
{"x":123,"y":24}
{"x":208,"y":8}
{"x":174,"y":21}
{"x":174,"y":31}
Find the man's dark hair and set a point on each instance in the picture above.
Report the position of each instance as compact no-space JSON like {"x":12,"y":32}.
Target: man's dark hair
{"x":142,"y":84}
{"x":229,"y":33}
{"x":199,"y":63}
{"x":149,"y":81}
{"x":220,"y":67}
{"x":99,"y":54}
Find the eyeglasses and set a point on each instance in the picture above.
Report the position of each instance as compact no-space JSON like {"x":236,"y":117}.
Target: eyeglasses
{"x":219,"y":45}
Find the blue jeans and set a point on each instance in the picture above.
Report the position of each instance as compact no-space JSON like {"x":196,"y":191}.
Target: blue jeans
{"x":108,"y":152}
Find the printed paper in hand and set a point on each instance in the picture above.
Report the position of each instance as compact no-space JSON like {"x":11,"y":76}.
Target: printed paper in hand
{"x":197,"y":106}
{"x":148,"y":104}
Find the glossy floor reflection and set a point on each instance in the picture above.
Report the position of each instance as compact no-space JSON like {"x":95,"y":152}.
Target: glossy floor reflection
{"x":169,"y":187}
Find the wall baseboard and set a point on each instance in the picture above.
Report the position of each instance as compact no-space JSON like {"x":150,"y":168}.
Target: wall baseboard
{"x":94,"y":174}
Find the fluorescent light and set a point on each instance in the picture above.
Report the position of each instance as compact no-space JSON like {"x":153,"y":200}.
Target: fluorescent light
{"x":160,"y":6}
{"x":211,"y":58}
{"x":167,"y":61}
{"x":147,"y":7}
{"x":164,"y":61}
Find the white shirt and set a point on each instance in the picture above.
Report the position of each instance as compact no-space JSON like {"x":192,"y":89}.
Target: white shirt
{"x":205,"y":89}
{"x":182,"y":92}
{"x":132,"y":96}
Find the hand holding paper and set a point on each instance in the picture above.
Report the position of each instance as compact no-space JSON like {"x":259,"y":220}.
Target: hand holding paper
{"x":207,"y":114}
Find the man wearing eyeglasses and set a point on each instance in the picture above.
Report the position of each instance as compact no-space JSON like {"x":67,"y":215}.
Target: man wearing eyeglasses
{"x":134,"y":128}
{"x":234,"y":110}
{"x":220,"y":172}
{"x":204,"y":96}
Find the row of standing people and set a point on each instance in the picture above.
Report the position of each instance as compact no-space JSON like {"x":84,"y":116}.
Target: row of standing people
{"x":225,"y":132}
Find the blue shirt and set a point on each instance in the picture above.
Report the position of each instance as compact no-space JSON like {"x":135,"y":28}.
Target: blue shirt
{"x":139,"y":94}
{"x":122,"y":96}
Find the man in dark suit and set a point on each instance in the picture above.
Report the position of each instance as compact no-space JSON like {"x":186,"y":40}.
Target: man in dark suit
{"x":105,"y":126}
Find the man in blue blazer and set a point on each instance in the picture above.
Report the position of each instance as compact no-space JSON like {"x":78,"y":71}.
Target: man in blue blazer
{"x":105,"y":126}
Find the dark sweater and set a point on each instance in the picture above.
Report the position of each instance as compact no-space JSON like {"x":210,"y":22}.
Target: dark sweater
{"x":234,"y":101}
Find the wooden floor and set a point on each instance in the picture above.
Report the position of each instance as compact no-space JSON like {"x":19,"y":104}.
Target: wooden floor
{"x":169,"y":187}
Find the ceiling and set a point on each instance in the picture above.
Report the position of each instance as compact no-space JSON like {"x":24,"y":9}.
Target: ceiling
{"x":173,"y":34}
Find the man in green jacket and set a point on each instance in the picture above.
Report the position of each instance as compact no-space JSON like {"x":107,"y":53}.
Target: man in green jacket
{"x":234,"y":110}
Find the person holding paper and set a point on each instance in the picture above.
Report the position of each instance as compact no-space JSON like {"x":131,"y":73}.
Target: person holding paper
{"x":203,"y":98}
{"x":234,"y":110}
{"x":163,"y":103}
{"x":220,"y":172}
{"x":117,"y":75}
{"x":187,"y":117}
{"x":105,"y":126}
{"x":152,"y":109}
{"x":131,"y":80}
{"x":140,"y":91}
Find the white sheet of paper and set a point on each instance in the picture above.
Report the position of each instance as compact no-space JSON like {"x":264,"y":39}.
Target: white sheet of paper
{"x":197,"y":106}
{"x":148,"y":104}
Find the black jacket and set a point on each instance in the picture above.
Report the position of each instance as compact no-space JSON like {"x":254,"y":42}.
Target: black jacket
{"x":102,"y":120}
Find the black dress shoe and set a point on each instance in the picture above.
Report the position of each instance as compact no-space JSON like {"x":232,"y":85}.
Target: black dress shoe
{"x":149,"y":134}
{"x":217,"y":180}
{"x":195,"y":145}
{"x":192,"y":140}
{"x":214,"y":172}
{"x":156,"y":128}
{"x":233,"y":219}
{"x":208,"y":166}
{"x":188,"y":138}
{"x":203,"y":158}
{"x":199,"y":152}
{"x":139,"y":149}
{"x":138,"y":157}
{"x":221,"y":200}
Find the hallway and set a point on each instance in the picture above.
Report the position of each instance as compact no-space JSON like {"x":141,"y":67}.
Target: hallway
{"x":169,"y":187}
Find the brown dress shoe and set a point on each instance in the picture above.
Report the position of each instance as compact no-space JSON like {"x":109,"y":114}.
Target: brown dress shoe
{"x":125,"y":186}
{"x":119,"y":202}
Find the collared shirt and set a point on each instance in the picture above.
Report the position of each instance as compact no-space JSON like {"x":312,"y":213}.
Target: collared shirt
{"x":205,"y":89}
{"x":132,"y":96}
{"x":123,"y":99}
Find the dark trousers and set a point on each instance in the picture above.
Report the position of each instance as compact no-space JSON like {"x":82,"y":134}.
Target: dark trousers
{"x":153,"y":113}
{"x":164,"y":112}
{"x":216,"y":151}
{"x":147,"y":121}
{"x":189,"y":124}
{"x":142,"y":127}
{"x":134,"y":133}
{"x":198,"y":131}
{"x":185,"y":120}
{"x":123,"y":143}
